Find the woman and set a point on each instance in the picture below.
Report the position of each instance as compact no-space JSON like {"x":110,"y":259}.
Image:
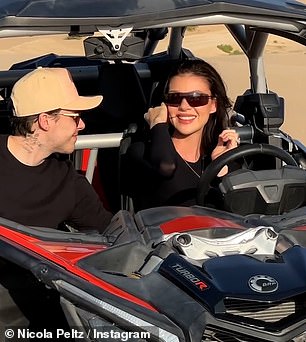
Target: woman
{"x":187,"y":131}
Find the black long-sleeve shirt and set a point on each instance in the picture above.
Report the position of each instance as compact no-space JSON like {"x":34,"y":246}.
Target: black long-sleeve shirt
{"x":158,"y":175}
{"x":48,"y":194}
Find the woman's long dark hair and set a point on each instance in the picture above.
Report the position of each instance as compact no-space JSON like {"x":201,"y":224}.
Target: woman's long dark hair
{"x":219,"y":120}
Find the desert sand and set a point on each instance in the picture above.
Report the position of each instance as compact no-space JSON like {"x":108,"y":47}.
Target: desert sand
{"x":285,"y":65}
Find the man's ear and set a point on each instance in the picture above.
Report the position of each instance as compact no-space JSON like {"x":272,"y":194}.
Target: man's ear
{"x":44,"y":121}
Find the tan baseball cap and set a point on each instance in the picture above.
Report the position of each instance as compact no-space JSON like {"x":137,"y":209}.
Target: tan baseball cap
{"x":46,"y":89}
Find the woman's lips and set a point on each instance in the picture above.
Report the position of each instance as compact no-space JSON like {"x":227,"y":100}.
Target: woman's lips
{"x":186,"y":118}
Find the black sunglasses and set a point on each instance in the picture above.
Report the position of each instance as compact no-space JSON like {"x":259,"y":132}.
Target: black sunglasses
{"x":75,"y":116}
{"x":193,"y":98}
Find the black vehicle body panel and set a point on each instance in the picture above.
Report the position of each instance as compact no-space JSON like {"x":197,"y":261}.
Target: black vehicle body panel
{"x":134,"y":269}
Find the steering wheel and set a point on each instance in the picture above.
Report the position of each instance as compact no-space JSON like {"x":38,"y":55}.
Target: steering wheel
{"x":239,"y":152}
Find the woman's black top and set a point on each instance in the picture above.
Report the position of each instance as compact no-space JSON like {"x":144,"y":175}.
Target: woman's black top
{"x":156,"y":175}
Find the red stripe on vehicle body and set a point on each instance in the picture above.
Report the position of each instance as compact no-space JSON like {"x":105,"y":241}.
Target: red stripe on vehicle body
{"x":301,"y":228}
{"x":66,"y":255}
{"x":195,"y":223}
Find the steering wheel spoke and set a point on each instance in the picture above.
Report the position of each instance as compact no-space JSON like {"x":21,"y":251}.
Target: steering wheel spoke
{"x":241,"y":151}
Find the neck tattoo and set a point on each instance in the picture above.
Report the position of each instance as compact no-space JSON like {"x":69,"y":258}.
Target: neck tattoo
{"x":31,"y":142}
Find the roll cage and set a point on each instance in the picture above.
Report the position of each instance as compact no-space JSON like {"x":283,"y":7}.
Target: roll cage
{"x":125,"y":46}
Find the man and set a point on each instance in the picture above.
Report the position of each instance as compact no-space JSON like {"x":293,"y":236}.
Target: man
{"x":38,"y":188}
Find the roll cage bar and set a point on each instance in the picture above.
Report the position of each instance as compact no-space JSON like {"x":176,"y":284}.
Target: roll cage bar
{"x":93,"y":142}
{"x":252,"y":41}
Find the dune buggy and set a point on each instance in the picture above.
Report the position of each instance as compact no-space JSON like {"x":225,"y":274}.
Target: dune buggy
{"x":168,"y":273}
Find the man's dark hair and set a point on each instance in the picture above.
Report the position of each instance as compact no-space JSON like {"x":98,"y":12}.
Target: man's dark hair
{"x":22,"y":126}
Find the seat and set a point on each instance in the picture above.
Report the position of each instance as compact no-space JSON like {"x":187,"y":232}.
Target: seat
{"x":124,"y":102}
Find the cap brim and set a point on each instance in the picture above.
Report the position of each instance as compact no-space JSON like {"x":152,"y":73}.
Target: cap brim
{"x":83,"y":103}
